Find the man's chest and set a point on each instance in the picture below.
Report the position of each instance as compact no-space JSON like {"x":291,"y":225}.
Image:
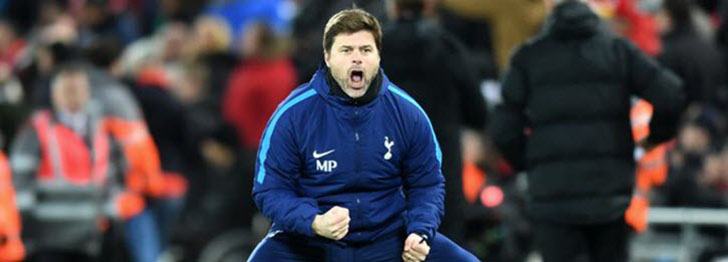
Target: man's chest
{"x":371,"y":147}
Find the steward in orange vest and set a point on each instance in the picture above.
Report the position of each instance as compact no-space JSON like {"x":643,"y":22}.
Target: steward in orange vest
{"x":651,"y":167}
{"x":11,"y":247}
{"x":65,"y":176}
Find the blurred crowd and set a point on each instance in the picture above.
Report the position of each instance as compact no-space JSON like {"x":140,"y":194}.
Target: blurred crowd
{"x":168,"y":100}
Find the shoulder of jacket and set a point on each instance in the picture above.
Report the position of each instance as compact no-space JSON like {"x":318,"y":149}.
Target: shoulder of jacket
{"x":297,"y":99}
{"x":520,"y":52}
{"x":621,"y":42}
{"x":405,"y":103}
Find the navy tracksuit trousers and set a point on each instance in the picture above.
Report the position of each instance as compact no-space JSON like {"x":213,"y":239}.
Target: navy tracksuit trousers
{"x":285,"y":247}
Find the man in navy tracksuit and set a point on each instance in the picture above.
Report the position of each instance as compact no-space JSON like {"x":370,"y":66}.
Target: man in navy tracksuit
{"x":349,"y":167}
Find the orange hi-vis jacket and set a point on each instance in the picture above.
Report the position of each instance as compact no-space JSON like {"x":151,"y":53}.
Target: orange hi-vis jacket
{"x":66,"y":160}
{"x":11,"y":246}
{"x":66,"y":185}
{"x":652,"y":167}
{"x":65,"y":155}
{"x":144,"y":174}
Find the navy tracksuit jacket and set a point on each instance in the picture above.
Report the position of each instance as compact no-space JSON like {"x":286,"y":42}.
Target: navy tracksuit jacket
{"x":380,"y":160}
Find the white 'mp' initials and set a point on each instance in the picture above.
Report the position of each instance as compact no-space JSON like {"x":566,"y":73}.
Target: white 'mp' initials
{"x":326,"y":165}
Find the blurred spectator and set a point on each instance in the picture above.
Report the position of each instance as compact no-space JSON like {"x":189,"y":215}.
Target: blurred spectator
{"x":65,"y":176}
{"x":239,"y":14}
{"x":165,"y":47}
{"x":150,"y":86}
{"x":512,"y":21}
{"x":218,"y":199}
{"x":127,"y":125}
{"x":54,"y":24}
{"x":96,"y":19}
{"x":704,"y":183}
{"x":210,"y":46}
{"x":13,"y":110}
{"x":694,"y":59}
{"x":12,"y":45}
{"x":702,"y":131}
{"x":652,"y":166}
{"x":444,"y":85}
{"x":258,"y":84}
{"x":635,"y":19}
{"x":208,"y":133}
{"x":706,"y":24}
{"x":585,"y":137}
{"x":477,"y":37}
{"x":700,"y":183}
{"x":150,"y":231}
{"x":11,"y":245}
{"x":51,"y":42}
{"x":165,"y":117}
{"x":143,"y":174}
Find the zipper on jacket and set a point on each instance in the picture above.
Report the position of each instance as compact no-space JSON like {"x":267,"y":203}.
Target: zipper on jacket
{"x":358,"y":144}
{"x":357,"y":157}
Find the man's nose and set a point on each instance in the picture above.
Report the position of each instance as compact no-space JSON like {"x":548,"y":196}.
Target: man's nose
{"x":356,"y":57}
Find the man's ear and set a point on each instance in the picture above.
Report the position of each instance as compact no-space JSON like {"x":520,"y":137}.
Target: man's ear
{"x":326,"y":58}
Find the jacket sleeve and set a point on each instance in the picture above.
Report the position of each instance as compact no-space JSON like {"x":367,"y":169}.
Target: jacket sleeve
{"x":660,"y":87}
{"x":424,"y":184}
{"x":274,"y":188}
{"x":509,"y":119}
{"x":144,"y":174}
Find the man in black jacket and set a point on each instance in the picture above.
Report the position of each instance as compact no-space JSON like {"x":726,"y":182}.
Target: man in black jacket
{"x":565,"y":120}
{"x":694,"y":59}
{"x":430,"y":64}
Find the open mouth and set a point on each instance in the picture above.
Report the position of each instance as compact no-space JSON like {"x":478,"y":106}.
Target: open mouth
{"x":356,"y":76}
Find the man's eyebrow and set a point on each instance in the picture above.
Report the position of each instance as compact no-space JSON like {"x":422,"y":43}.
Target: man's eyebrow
{"x":352,"y":46}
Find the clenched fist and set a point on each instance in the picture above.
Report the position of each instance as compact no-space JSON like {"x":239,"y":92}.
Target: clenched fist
{"x":415,"y":249}
{"x":333,"y":224}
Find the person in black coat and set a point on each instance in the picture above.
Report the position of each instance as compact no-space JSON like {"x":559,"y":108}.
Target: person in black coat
{"x":430,"y":65}
{"x":694,"y":59}
{"x":565,"y":121}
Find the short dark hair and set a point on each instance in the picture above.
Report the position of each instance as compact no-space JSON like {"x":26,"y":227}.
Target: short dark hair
{"x":351,"y":21}
{"x":69,"y":68}
{"x":104,"y":51}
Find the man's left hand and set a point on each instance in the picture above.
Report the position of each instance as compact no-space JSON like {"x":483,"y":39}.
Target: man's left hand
{"x":415,"y":249}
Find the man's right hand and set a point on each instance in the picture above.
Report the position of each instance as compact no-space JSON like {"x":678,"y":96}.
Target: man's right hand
{"x":334,"y":224}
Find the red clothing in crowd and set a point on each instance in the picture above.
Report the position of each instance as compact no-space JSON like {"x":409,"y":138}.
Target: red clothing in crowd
{"x":254,"y":91}
{"x":642,"y":29}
